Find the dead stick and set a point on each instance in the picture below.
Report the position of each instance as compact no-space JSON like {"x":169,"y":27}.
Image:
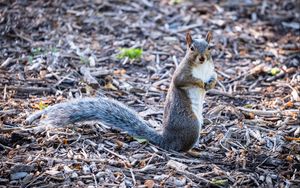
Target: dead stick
{"x":87,"y":76}
{"x":29,"y":89}
{"x":259,"y":112}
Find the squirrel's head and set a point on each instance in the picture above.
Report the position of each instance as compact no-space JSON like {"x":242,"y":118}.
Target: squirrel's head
{"x":198,"y":50}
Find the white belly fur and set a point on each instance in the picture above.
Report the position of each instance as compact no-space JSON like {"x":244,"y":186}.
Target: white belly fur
{"x":204,"y":72}
{"x":196,"y":96}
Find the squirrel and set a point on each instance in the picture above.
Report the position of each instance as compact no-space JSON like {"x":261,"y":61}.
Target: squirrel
{"x":182,"y":118}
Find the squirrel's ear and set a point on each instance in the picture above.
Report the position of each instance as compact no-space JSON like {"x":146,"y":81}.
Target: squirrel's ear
{"x":208,"y":36}
{"x":188,"y":39}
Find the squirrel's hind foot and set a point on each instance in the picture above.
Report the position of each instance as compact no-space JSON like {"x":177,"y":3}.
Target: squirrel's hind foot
{"x":30,"y":119}
{"x":43,"y":123}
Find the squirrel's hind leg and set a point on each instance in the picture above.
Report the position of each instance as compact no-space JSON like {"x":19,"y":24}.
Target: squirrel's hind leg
{"x":41,"y":125}
{"x":34,"y":116}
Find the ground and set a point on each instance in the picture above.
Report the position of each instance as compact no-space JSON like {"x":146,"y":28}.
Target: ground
{"x":53,"y":51}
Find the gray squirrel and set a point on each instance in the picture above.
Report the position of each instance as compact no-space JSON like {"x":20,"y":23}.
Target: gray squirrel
{"x":182,"y":120}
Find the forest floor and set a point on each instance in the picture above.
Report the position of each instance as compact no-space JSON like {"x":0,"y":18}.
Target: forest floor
{"x":53,"y":51}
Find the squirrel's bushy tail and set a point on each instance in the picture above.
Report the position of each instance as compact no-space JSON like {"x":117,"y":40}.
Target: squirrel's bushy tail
{"x":107,"y":111}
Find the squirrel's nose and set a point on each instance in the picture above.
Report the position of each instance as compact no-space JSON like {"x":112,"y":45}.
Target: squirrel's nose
{"x":201,"y":58}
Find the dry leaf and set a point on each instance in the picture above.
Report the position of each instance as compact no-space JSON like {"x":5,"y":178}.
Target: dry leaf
{"x":268,"y":58}
{"x":65,"y":141}
{"x":119,"y":144}
{"x":43,"y":73}
{"x":251,"y":115}
{"x":295,"y":95}
{"x":290,"y":158}
{"x":77,"y":166}
{"x":289,"y":104}
{"x":119,"y":71}
{"x":109,"y":85}
{"x":288,"y":138}
{"x":127,"y":164}
{"x":52,"y":172}
{"x":297,"y":132}
{"x":243,"y":52}
{"x":142,"y":163}
{"x":176,"y":165}
{"x":95,"y":45}
{"x":149,"y":183}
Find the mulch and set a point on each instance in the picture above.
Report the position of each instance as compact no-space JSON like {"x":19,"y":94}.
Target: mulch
{"x":53,"y":51}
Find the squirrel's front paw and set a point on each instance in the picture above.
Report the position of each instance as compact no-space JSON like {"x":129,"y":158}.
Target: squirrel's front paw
{"x":210,"y":84}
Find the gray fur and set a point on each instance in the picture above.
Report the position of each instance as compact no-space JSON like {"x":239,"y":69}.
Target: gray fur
{"x":107,"y":111}
{"x":200,"y":44}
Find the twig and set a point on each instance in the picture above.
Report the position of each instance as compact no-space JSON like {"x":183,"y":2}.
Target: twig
{"x":4,"y":92}
{"x":64,"y":78}
{"x":120,"y":156}
{"x":260,"y":112}
{"x":193,"y":176}
{"x":8,"y":112}
{"x":147,"y":3}
{"x":6,"y":147}
{"x":188,"y":27}
{"x":30,"y":89}
{"x":218,"y":92}
{"x":6,"y":63}
{"x":23,"y":37}
{"x":76,"y":140}
{"x":125,"y":61}
{"x":35,"y":159}
{"x":95,"y":180}
{"x":87,"y":76}
{"x":175,"y":61}
{"x":133,"y":177}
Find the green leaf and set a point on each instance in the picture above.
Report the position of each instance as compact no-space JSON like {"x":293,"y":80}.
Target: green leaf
{"x":173,"y":2}
{"x":53,"y":49}
{"x":84,"y":60}
{"x":274,"y":71}
{"x":248,"y":106}
{"x":140,"y":140}
{"x":219,"y":182}
{"x":30,"y":59}
{"x":131,"y":53}
{"x":36,"y":51}
{"x":42,"y":105}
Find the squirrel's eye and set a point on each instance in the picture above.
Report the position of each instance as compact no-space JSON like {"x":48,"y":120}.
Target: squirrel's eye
{"x":192,"y":48}
{"x":209,"y":48}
